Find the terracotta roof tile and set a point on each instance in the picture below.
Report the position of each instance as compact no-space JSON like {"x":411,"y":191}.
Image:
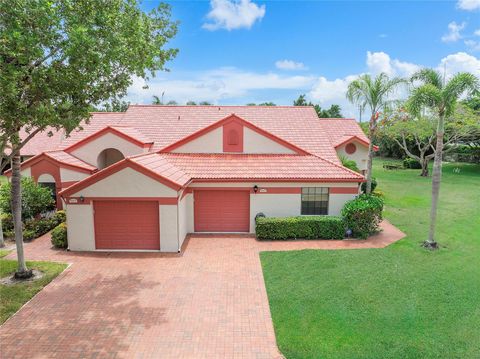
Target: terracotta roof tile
{"x":180,"y":168}
{"x":340,"y":130}
{"x":68,"y":159}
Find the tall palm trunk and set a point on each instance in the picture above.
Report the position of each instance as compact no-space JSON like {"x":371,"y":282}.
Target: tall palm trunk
{"x":371,"y":132}
{"x":22,"y":270}
{"x":436,"y":179}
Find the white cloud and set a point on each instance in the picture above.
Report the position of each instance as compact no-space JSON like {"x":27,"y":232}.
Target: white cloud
{"x":378,"y":62}
{"x":233,"y":85}
{"x":472,"y":45}
{"x":477,"y":32}
{"x":468,"y":5}
{"x":290,"y":65}
{"x":214,"y":85}
{"x":454,"y":32}
{"x":460,"y":62}
{"x":383,"y":36}
{"x":233,"y":14}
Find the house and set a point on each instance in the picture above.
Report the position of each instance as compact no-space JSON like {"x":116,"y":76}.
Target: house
{"x":145,"y":178}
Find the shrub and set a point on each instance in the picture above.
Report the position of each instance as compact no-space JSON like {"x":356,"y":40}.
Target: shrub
{"x":40,"y":226}
{"x":363,"y":215}
{"x":59,"y":236}
{"x":9,"y":234}
{"x":374,"y":185}
{"x":7,"y":221}
{"x":35,"y":199}
{"x":411,"y":163}
{"x":59,"y":217}
{"x":28,"y":235}
{"x":304,"y":227}
{"x":350,"y":164}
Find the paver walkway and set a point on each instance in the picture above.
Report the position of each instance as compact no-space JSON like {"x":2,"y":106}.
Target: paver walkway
{"x":209,"y":302}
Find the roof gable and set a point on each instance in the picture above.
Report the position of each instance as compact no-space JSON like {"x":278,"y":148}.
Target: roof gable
{"x":233,"y":119}
{"x":127,"y":133}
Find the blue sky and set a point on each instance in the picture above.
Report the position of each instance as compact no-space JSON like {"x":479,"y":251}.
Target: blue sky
{"x":235,"y":52}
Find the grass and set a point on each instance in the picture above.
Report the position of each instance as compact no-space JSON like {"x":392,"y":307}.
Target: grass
{"x":3,"y":179}
{"x":399,"y":302}
{"x":4,"y":252}
{"x":14,"y":296}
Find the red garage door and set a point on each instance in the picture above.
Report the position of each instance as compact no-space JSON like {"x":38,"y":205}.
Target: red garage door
{"x":126,"y":225}
{"x":222,"y":211}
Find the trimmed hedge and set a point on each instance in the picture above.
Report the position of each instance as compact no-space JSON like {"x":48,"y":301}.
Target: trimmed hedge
{"x":59,"y":236}
{"x":303,"y":227}
{"x":411,"y":163}
{"x":363,"y":215}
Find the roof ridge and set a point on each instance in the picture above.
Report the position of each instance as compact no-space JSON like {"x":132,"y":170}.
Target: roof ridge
{"x":213,"y":106}
{"x":337,"y":118}
{"x":339,"y":166}
{"x":193,"y":154}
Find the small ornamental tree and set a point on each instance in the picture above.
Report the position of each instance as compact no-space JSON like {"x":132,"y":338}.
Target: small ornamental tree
{"x":60,"y":58}
{"x":36,"y":199}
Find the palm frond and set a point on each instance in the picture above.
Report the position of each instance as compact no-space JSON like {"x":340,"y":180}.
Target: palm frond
{"x":458,"y":85}
{"x":427,"y":95}
{"x":428,"y":76}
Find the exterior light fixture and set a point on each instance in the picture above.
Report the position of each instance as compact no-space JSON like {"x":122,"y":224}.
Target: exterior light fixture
{"x":255,"y":189}
{"x":82,"y":199}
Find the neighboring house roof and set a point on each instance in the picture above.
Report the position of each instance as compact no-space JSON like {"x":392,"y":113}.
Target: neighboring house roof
{"x":62,"y":158}
{"x":342,"y":130}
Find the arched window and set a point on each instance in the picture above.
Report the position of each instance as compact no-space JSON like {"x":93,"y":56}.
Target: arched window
{"x":108,"y":157}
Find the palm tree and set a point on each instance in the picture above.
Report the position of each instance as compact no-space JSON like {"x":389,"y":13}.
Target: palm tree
{"x":374,"y":93}
{"x":440,"y":97}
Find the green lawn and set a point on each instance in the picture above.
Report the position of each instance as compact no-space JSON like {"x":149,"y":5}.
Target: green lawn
{"x":3,"y":179}
{"x":12,"y":297}
{"x":399,"y":302}
{"x":4,"y":252}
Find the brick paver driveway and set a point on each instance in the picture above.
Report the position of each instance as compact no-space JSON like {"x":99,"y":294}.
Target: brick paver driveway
{"x":209,"y":303}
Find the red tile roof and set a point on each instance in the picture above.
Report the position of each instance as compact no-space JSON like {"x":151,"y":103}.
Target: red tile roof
{"x":181,"y":168}
{"x":66,"y":158}
{"x":340,"y":130}
{"x":165,"y":125}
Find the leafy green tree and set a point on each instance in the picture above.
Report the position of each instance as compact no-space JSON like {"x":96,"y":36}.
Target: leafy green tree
{"x":205,"y":103}
{"x":36,"y":199}
{"x":157,"y":100}
{"x":267,"y":104}
{"x":373,"y":93}
{"x":116,"y":105}
{"x":333,"y":112}
{"x":61,"y":57}
{"x":191,"y":103}
{"x":440,"y":98}
{"x":172,"y":103}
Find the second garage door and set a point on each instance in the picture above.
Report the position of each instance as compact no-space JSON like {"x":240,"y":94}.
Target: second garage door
{"x":221,"y":211}
{"x":126,"y":225}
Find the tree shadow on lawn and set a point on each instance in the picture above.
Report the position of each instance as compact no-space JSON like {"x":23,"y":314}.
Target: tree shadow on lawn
{"x":98,"y":317}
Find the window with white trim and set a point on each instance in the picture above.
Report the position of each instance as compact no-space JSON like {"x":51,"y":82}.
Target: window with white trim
{"x":315,"y":200}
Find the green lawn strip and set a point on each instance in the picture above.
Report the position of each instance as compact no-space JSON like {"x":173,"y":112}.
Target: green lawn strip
{"x":4,"y":252}
{"x":397,"y":302}
{"x":14,"y":296}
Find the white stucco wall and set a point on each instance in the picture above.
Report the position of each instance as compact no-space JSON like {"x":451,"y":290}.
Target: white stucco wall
{"x":80,"y":227}
{"x":185,"y":217}
{"x":46,"y":178}
{"x":274,"y":205}
{"x":168,"y":228}
{"x":360,"y":156}
{"x":127,"y":183}
{"x":90,"y":151}
{"x":67,"y":175}
{"x":336,"y":202}
{"x":27,"y":172}
{"x":253,"y":142}
{"x":211,"y":142}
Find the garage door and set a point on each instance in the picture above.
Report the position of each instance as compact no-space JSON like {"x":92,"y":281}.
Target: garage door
{"x":222,"y":211}
{"x":126,"y":225}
